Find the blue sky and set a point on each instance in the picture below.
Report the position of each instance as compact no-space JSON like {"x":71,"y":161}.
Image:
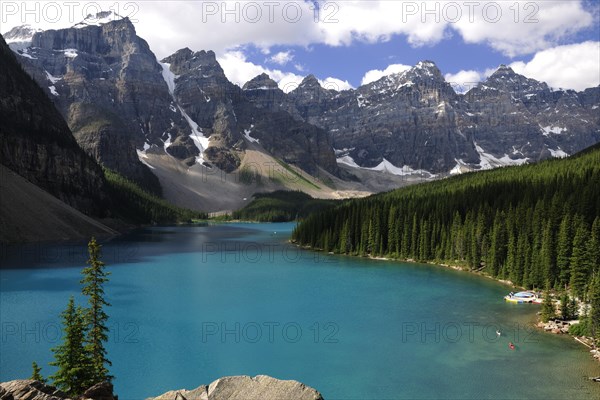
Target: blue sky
{"x":451,"y":55}
{"x":559,"y":45}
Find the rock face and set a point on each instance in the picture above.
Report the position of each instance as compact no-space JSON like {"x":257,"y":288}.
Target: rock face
{"x":230,"y":388}
{"x":119,"y":100}
{"x":108,"y":86}
{"x":416,"y":119}
{"x":34,"y":390}
{"x":29,"y":390}
{"x":31,"y":214}
{"x":36,"y":143}
{"x":246,"y":388}
{"x":232,"y":116}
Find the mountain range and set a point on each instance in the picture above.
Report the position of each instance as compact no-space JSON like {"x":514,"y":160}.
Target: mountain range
{"x":179,"y":127}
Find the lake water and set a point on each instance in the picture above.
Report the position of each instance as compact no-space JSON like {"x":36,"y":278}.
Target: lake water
{"x":191,"y":304}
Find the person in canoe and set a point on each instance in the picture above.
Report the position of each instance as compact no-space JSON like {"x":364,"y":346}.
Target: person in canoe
{"x":511,"y":345}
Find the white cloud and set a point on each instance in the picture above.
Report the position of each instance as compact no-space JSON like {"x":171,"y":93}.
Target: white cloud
{"x":524,"y":27}
{"x":463,"y":80}
{"x":239,"y":71}
{"x":335,"y":84}
{"x":575,"y":66}
{"x":220,"y":26}
{"x":282,"y":58}
{"x":376,"y":74}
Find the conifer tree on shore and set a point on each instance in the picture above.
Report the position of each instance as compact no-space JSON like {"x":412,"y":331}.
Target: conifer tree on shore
{"x":36,"y":373}
{"x":81,"y":359}
{"x":94,"y":278}
{"x":74,"y":364}
{"x":547,"y":305}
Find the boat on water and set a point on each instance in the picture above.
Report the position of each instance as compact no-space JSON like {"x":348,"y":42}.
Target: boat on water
{"x":523,"y":297}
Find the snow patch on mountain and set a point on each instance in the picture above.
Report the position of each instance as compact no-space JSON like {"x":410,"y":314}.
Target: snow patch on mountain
{"x":247,"y":133}
{"x":99,"y":19}
{"x":460,"y":168}
{"x":142,"y":156}
{"x":70,"y":53}
{"x":52,"y":78}
{"x":489,"y":161}
{"x":558,"y":153}
{"x":169,"y":77}
{"x":261,"y":88}
{"x":347,"y":160}
{"x":19,"y":38}
{"x":386,"y":166}
{"x":197,"y":135}
{"x":25,"y":53}
{"x":546,"y":131}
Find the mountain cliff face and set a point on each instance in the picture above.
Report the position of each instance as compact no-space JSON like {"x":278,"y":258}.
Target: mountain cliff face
{"x":121,"y":104}
{"x":36,"y":143}
{"x":405,"y":119}
{"x":415,"y":119}
{"x":106,"y":83}
{"x":231,"y":116}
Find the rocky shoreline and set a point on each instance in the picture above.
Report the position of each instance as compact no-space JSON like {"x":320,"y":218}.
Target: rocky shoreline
{"x":261,"y":387}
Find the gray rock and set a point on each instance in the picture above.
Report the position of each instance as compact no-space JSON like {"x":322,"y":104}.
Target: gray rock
{"x":415,"y":118}
{"x":246,"y":388}
{"x":29,"y":390}
{"x":225,"y":112}
{"x":100,"y":391}
{"x":115,"y":99}
{"x":108,"y":86}
{"x":36,"y":143}
{"x":35,"y":390}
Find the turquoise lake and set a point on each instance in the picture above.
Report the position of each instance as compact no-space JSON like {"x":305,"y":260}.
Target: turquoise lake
{"x":191,"y":304}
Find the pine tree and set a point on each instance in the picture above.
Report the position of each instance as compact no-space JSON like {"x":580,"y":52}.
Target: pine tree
{"x":595,"y":307}
{"x":573,"y":308}
{"x":563,"y":250}
{"x":547,"y":305}
{"x":94,"y":278}
{"x":74,"y":366}
{"x":36,"y":374}
{"x":547,"y":257}
{"x":565,"y":309}
{"x":593,"y":246}
{"x":579,"y":261}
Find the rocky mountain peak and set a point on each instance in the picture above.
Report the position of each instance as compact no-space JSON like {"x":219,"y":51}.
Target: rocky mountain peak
{"x":261,"y":82}
{"x":425,"y":70}
{"x":506,"y":79}
{"x":185,"y":61}
{"x":99,"y":19}
{"x":503,"y":71}
{"x":19,"y":37}
{"x":20,"y":33}
{"x":310,"y":82}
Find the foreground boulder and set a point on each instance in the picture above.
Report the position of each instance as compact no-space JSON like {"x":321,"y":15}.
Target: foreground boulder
{"x":29,"y":390}
{"x":230,"y":388}
{"x":246,"y":388}
{"x":34,"y":390}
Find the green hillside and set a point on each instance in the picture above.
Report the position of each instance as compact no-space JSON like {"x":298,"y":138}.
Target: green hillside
{"x":528,"y":224}
{"x":131,"y":203}
{"x":281,"y":206}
